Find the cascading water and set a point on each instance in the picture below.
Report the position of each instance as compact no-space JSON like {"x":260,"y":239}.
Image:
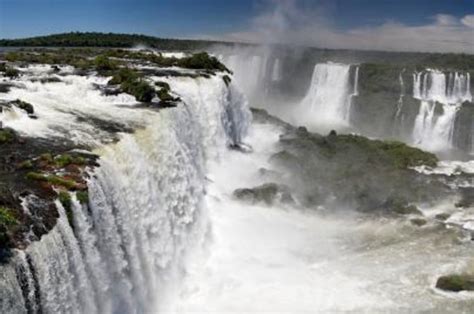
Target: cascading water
{"x":145,"y":204}
{"x":328,"y":100}
{"x":438,"y":91}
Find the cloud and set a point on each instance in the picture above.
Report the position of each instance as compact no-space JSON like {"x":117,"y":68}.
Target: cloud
{"x":468,"y":21}
{"x":289,"y":22}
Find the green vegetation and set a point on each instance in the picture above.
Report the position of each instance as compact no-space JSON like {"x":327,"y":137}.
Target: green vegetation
{"x":164,"y":95}
{"x":6,"y":217}
{"x":47,"y":157}
{"x":3,"y":67}
{"x":27,"y":164}
{"x":456,"y":283}
{"x":103,"y":63}
{"x":7,"y":136}
{"x":11,"y":72}
{"x":142,"y":91}
{"x":82,"y":197}
{"x":123,"y":75}
{"x":94,"y":39}
{"x":65,"y":199}
{"x":51,"y":179}
{"x":64,"y":160}
{"x":392,"y":153}
{"x":202,"y":61}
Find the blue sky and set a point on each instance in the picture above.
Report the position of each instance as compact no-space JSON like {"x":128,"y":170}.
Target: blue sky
{"x":227,"y":19}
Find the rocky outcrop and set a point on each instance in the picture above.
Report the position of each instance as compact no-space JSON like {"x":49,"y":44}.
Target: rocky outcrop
{"x":455,"y":283}
{"x":268,"y":193}
{"x":369,"y":175}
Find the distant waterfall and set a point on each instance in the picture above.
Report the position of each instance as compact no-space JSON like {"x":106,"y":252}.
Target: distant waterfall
{"x":328,"y":99}
{"x":276,"y":71}
{"x":144,"y":211}
{"x":441,"y":95}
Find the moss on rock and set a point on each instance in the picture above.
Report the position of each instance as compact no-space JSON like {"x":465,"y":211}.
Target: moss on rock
{"x":456,"y":283}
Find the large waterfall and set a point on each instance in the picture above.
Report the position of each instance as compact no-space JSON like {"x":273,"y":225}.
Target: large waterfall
{"x":441,"y":95}
{"x":145,"y":206}
{"x":328,"y":100}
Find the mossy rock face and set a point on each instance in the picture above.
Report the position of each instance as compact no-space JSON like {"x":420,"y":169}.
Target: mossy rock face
{"x":456,"y":283}
{"x":351,"y":171}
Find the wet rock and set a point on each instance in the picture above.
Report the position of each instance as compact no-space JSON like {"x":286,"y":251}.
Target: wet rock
{"x":418,"y":222}
{"x":456,"y":283}
{"x":467,"y":197}
{"x":442,"y":216}
{"x":268,"y":193}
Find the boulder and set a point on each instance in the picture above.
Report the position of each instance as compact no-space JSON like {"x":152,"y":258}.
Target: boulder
{"x":456,"y":283}
{"x":268,"y":193}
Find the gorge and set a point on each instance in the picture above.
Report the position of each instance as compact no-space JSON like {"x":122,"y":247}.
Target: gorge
{"x":261,"y":179}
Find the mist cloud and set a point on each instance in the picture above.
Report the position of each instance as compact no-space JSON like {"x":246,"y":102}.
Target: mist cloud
{"x":289,"y":22}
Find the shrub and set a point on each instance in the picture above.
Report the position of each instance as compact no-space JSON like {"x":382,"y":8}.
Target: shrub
{"x":142,"y":91}
{"x":103,"y":63}
{"x":12,"y":73}
{"x":165,"y":96}
{"x":123,"y":75}
{"x":6,"y":217}
{"x":82,"y":197}
{"x":203,"y":61}
{"x":65,"y":199}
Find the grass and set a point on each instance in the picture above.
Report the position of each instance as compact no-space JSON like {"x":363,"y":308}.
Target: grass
{"x":52,"y":179}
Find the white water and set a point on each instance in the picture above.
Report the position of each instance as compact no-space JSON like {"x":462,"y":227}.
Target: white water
{"x":328,"y":100}
{"x":438,"y":91}
{"x":146,"y":198}
{"x":283,"y":260}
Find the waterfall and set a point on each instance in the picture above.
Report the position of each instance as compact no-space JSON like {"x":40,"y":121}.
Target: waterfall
{"x":441,"y":95}
{"x":328,"y":99}
{"x":144,"y":211}
{"x":276,"y":71}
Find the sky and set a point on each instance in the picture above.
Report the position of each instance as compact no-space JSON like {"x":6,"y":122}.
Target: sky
{"x":413,"y":25}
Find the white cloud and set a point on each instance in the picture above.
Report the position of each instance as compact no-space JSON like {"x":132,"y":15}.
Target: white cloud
{"x":468,"y":21}
{"x":286,"y":22}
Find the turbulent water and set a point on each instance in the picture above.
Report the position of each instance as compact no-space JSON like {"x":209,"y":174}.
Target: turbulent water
{"x":146,"y":198}
{"x":163,"y":233}
{"x":438,"y":91}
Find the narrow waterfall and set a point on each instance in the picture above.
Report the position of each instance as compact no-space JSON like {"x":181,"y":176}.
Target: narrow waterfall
{"x":276,"y":71}
{"x":144,"y":211}
{"x":441,"y":95}
{"x":328,"y":99}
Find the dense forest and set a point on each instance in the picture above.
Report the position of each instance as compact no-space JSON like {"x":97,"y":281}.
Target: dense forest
{"x":94,"y":39}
